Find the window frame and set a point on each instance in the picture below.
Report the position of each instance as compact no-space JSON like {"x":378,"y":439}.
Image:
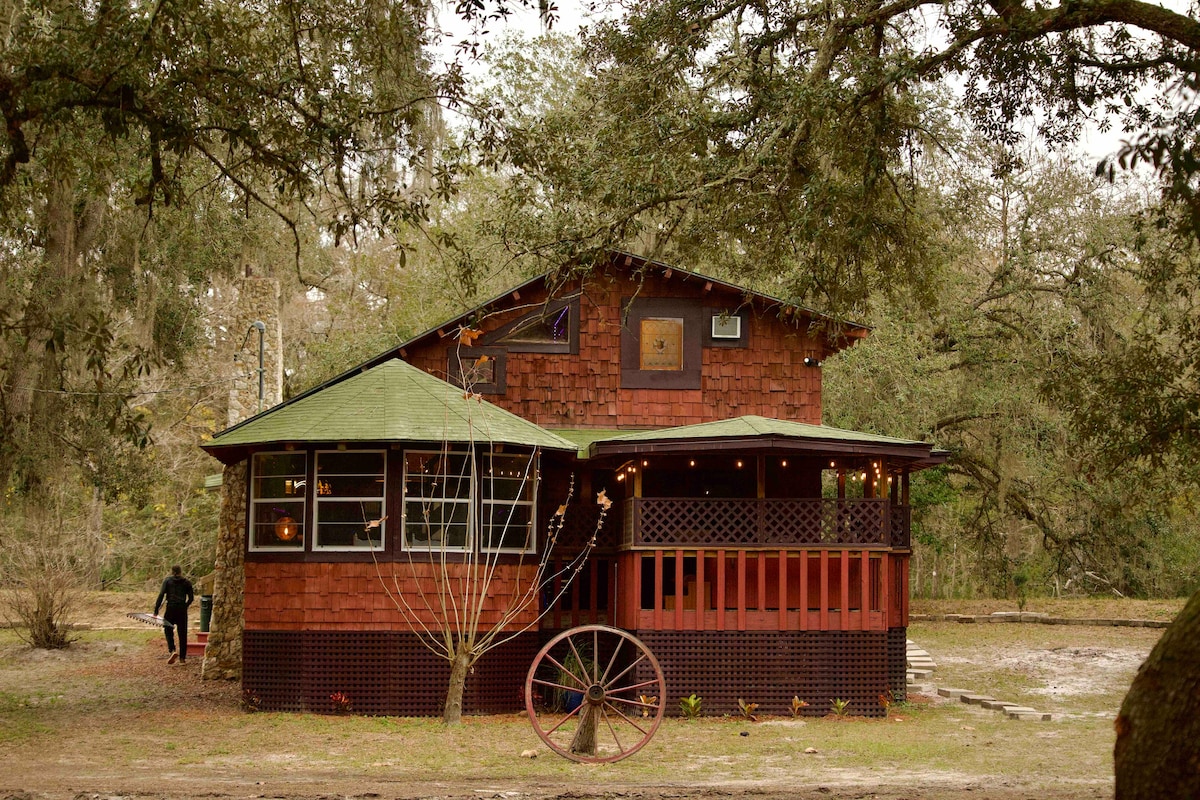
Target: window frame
{"x":458,"y":356}
{"x":742,"y":341}
{"x":694,"y":318}
{"x":381,"y":499}
{"x":477,"y":505}
{"x":257,"y":501}
{"x":469,"y":502}
{"x":497,"y":338}
{"x":487,"y":503}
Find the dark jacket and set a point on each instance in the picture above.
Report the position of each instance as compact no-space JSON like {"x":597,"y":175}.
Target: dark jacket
{"x":177,"y":592}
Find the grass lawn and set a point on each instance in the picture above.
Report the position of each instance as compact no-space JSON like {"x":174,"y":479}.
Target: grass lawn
{"x":108,"y":716}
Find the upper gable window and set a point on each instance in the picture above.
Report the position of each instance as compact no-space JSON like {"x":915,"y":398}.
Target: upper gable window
{"x":550,"y":328}
{"x":661,"y":343}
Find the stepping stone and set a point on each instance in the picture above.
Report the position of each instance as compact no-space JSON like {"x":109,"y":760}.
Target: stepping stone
{"x":975,"y":699}
{"x":919,"y":674}
{"x":1024,"y":712}
{"x":999,"y":705}
{"x":953,"y":694}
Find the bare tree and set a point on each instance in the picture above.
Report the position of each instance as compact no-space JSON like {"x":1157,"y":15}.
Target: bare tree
{"x":475,"y":576}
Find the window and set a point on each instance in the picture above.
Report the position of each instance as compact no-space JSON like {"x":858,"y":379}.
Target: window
{"x":550,"y":328}
{"x":661,"y":343}
{"x":278,"y":484}
{"x":479,"y":368}
{"x":437,"y":499}
{"x":442,"y":495}
{"x":727,"y":328}
{"x":508,"y":483}
{"x":349,"y":499}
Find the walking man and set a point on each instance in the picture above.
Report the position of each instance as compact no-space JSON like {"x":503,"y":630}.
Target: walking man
{"x":177,"y":591}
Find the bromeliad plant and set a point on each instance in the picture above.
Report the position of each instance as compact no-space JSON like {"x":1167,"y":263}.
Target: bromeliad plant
{"x":840,"y":707}
{"x":748,"y":709}
{"x":340,"y":702}
{"x":689,"y":707}
{"x":798,"y":706}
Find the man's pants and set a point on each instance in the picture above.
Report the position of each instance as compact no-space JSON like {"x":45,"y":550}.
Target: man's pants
{"x":177,"y":616}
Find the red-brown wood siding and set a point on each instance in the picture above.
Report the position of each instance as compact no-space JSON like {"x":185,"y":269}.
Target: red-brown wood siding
{"x":351,"y":595}
{"x":767,"y":378}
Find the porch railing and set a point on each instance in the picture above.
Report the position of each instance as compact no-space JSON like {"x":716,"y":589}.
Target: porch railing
{"x":706,"y":522}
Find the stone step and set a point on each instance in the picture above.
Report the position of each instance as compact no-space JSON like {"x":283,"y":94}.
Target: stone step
{"x":953,"y":694}
{"x":975,"y":699}
{"x":1026,"y":713}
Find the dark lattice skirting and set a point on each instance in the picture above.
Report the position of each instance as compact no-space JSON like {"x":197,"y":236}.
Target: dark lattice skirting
{"x":770,"y":668}
{"x":383,"y":673}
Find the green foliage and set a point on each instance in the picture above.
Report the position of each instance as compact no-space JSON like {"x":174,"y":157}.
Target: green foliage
{"x":690,"y":706}
{"x":839,"y":707}
{"x":748,"y":710}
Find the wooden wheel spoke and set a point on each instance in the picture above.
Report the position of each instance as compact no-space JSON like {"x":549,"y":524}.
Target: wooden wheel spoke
{"x":554,"y":685}
{"x":626,"y":671}
{"x":582,"y":684}
{"x":573,"y":713}
{"x":578,"y":659}
{"x":611,"y":729}
{"x":637,"y":703}
{"x":642,"y":685}
{"x":621,"y":714}
{"x":611,"y":661}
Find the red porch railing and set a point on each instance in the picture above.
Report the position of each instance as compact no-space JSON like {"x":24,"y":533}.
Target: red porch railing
{"x":727,"y":590}
{"x":701,"y":521}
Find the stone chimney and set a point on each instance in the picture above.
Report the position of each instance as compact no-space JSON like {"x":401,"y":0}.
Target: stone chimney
{"x":256,"y":387}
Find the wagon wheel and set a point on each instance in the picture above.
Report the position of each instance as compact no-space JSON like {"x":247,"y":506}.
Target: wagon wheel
{"x":620,"y":694}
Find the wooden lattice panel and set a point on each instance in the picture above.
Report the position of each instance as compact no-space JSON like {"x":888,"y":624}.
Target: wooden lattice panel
{"x":703,"y":522}
{"x":771,"y":668}
{"x":381,"y":672}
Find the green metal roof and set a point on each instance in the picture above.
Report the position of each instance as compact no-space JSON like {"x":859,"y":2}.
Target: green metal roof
{"x":391,"y":402}
{"x":748,"y":429}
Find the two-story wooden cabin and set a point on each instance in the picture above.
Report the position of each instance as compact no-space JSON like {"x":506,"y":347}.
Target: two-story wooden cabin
{"x":758,"y":553}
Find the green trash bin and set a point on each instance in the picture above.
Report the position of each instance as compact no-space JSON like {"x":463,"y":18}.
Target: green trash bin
{"x":205,"y":612}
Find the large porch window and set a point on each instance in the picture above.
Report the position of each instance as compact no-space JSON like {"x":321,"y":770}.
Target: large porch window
{"x":277,"y":506}
{"x":448,"y":495}
{"x":349,"y":499}
{"x":437,"y":500}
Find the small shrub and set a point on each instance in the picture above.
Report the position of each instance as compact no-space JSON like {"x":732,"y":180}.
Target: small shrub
{"x":648,"y":700}
{"x":798,"y":706}
{"x":46,"y":592}
{"x":748,"y":709}
{"x":340,"y":702}
{"x":251,"y":701}
{"x":887,"y":700}
{"x":840,"y":707}
{"x":689,"y":707}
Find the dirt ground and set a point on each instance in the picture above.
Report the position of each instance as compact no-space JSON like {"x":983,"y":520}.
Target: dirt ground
{"x":107,"y":719}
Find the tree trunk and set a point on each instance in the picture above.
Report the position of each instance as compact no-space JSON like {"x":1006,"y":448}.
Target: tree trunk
{"x":1157,"y":755}
{"x":584,"y":740}
{"x":460,"y":667}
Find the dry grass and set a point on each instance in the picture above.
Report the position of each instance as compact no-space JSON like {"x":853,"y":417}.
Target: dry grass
{"x":108,"y":714}
{"x":1074,"y":608}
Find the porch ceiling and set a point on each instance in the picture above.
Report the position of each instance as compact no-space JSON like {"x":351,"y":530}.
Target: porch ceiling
{"x":758,"y":434}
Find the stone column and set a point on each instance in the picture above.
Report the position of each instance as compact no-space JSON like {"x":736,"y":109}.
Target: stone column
{"x":256,"y":301}
{"x":223,"y":656}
